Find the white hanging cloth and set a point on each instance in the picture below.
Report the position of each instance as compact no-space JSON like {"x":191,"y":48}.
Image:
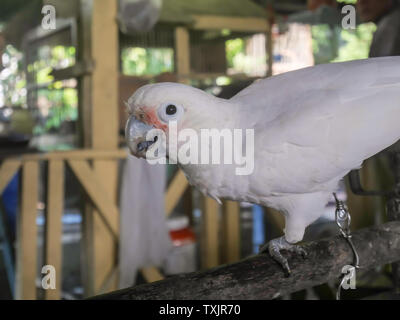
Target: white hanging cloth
{"x":144,"y":238}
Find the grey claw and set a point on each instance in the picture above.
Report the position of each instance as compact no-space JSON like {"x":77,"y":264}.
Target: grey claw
{"x":276,"y":245}
{"x":299,"y":250}
{"x":286,"y":268}
{"x":303,"y":253}
{"x":274,"y":252}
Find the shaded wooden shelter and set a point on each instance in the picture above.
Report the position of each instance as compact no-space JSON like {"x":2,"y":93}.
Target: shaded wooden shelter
{"x":192,"y":29}
{"x":93,"y":29}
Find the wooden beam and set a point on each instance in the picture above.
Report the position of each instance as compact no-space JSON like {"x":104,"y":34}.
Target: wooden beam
{"x":187,"y":204}
{"x":95,"y":189}
{"x":151,"y":274}
{"x":26,"y":257}
{"x":7,"y":171}
{"x":109,"y":281}
{"x":182,"y":51}
{"x":175,"y":191}
{"x":105,"y":243}
{"x":53,"y":226}
{"x":210,"y":234}
{"x":260,"y":277}
{"x":100,"y":113}
{"x":209,"y":22}
{"x":231,"y":231}
{"x":104,"y":133}
{"x":79,"y":69}
{"x":79,"y":154}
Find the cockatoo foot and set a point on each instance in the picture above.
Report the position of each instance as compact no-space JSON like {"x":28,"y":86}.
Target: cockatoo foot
{"x":274,"y":248}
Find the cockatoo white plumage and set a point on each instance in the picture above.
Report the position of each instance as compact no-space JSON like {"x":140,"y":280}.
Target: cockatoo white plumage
{"x":311,"y":127}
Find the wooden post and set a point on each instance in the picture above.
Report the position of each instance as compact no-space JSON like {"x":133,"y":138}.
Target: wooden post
{"x":175,"y":191}
{"x":99,"y":110}
{"x":231,"y":231}
{"x":210,"y":234}
{"x":151,"y":274}
{"x":182,"y":52}
{"x":54,"y":211}
{"x":26,"y":257}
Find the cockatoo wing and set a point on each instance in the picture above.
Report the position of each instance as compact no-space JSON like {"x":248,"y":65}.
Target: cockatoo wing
{"x":323,"y":120}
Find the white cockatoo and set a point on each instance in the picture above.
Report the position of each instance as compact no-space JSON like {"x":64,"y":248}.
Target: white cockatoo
{"x":311,"y":127}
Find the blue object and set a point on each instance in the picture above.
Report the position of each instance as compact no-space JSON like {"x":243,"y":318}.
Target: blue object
{"x":67,"y":218}
{"x":6,"y":250}
{"x":258,"y":228}
{"x":10,"y":202}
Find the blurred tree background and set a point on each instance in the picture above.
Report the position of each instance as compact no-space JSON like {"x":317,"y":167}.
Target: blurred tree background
{"x":56,"y":102}
{"x":147,"y":61}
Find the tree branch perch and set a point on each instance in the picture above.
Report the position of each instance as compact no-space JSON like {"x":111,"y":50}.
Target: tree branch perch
{"x":259,"y":277}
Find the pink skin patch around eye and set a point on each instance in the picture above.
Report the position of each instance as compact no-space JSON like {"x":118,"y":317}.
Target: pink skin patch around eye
{"x":152,"y":119}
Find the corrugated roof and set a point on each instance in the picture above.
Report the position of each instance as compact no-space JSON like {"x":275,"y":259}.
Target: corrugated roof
{"x":180,"y":11}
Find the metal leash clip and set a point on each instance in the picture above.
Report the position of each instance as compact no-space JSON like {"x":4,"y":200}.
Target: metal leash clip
{"x":343,"y":220}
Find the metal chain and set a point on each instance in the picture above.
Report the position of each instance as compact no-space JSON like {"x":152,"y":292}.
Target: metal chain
{"x":343,"y":220}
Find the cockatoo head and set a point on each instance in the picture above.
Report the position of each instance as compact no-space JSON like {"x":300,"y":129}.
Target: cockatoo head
{"x":155,"y":106}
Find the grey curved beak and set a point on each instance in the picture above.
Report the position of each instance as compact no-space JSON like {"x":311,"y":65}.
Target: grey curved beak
{"x":135,"y":135}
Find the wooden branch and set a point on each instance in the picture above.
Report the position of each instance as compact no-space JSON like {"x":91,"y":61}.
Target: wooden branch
{"x":259,"y":277}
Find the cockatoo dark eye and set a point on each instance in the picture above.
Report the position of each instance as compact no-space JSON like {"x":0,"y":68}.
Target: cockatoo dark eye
{"x":171,"y":110}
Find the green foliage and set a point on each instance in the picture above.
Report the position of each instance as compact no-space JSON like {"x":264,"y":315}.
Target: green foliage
{"x":356,"y":43}
{"x":335,"y":45}
{"x":63,"y":101}
{"x":152,"y":61}
{"x":240,"y":61}
{"x":56,"y":101}
{"x":12,"y":78}
{"x":64,"y":107}
{"x":325,"y":41}
{"x":234,"y":49}
{"x":49,"y":58}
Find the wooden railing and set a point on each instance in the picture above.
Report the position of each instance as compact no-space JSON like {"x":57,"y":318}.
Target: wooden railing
{"x":26,"y":250}
{"x":79,"y":162}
